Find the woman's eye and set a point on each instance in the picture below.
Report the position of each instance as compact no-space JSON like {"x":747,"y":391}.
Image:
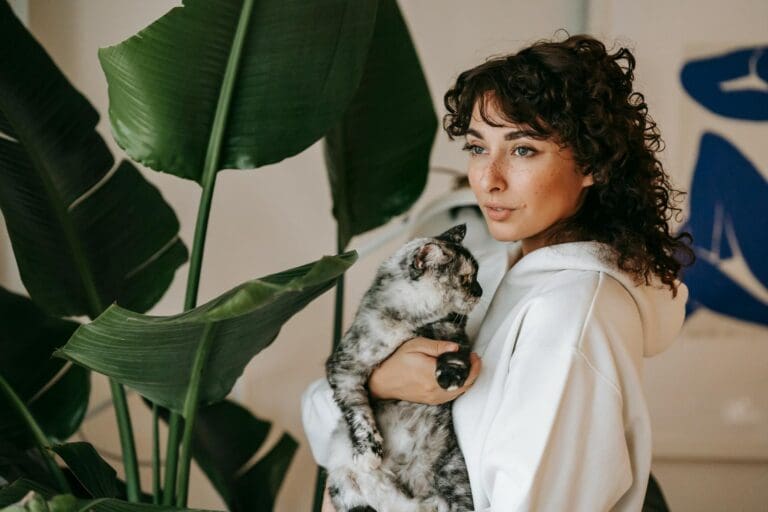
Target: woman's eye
{"x":473,"y":149}
{"x":523,"y":151}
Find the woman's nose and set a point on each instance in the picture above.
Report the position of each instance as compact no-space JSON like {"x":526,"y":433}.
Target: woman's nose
{"x":492,"y":179}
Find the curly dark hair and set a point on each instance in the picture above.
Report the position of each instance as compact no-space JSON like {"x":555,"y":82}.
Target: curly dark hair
{"x":581,"y":96}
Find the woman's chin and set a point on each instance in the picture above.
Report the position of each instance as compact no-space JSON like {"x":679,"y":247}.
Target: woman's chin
{"x":503,"y":233}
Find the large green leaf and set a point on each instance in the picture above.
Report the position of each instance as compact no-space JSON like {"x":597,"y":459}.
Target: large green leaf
{"x":290,"y":78}
{"x":83,"y":237}
{"x":25,"y":495}
{"x":111,"y":505}
{"x":226,"y":436}
{"x":257,"y":488}
{"x":16,"y":464}
{"x":378,"y":155}
{"x":154,"y":355}
{"x":56,"y":397}
{"x":15,"y":491}
{"x":92,"y":472}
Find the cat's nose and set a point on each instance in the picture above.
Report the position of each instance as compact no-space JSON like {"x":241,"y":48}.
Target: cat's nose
{"x":476,"y":290}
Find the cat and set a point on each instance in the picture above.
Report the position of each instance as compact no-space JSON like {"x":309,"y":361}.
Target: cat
{"x":393,"y":455}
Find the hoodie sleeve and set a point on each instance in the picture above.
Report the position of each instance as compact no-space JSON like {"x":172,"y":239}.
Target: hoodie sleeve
{"x":320,"y":415}
{"x":557,"y":441}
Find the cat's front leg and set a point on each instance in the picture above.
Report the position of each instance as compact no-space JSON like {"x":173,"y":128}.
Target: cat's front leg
{"x":453,"y":368}
{"x":351,"y":395}
{"x":367,"y":343}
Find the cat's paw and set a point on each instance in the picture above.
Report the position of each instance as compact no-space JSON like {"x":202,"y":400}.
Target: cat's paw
{"x":452,"y":369}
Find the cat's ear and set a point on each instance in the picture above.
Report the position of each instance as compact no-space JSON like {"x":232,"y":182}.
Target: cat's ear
{"x":455,"y":234}
{"x":425,"y":256}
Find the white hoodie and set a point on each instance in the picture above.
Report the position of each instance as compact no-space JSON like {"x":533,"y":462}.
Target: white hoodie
{"x":557,"y":419}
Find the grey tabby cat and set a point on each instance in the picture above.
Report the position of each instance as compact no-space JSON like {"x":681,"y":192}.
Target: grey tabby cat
{"x":392,"y":455}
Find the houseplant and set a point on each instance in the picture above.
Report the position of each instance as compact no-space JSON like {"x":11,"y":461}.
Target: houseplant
{"x":192,"y":124}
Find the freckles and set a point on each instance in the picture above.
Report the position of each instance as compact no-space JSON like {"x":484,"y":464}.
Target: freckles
{"x":547,"y":182}
{"x":540,"y":188}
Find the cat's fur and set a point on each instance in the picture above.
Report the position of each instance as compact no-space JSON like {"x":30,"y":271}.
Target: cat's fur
{"x":392,"y":455}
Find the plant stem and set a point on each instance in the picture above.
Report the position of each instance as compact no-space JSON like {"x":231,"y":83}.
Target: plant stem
{"x":40,"y":438}
{"x":190,"y":410}
{"x":210,"y":169}
{"x":172,"y":458}
{"x":190,"y":301}
{"x":130,"y":464}
{"x":155,"y":456}
{"x":338,"y":321}
{"x":338,"y":312}
{"x":322,"y":476}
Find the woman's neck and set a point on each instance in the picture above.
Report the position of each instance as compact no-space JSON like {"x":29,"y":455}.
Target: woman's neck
{"x":514,"y":255}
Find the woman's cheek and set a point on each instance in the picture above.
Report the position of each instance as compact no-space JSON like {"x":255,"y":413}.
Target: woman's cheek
{"x":474,"y":175}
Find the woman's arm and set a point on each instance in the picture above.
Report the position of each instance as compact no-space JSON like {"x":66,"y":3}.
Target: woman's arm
{"x":408,"y":374}
{"x":319,"y":415}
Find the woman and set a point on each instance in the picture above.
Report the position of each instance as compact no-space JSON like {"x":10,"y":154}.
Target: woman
{"x":562,"y":161}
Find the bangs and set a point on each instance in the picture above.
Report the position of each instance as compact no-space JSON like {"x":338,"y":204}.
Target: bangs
{"x":491,"y":85}
{"x":512,"y":111}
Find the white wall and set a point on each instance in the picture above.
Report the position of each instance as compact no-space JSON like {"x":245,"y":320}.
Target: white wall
{"x":272,"y":218}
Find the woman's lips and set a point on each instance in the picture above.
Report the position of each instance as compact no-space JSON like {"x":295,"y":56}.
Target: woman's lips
{"x":497,"y":213}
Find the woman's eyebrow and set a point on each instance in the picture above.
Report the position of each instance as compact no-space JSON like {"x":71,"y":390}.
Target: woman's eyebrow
{"x":515,"y":134}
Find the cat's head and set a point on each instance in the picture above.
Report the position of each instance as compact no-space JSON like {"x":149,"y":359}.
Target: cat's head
{"x":436,"y":275}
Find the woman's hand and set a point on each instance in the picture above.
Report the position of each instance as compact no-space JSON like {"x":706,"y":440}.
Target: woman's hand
{"x":409,"y":373}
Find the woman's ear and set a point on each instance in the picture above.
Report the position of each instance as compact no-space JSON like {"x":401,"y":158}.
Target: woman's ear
{"x":587,"y":180}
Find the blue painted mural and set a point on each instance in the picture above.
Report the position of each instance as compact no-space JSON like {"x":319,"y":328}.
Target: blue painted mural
{"x":729,"y":196}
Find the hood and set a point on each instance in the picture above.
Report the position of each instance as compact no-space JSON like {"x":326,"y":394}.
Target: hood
{"x":661,"y":314}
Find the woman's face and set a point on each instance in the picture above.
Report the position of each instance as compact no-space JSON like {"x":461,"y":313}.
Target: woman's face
{"x":523,"y":185}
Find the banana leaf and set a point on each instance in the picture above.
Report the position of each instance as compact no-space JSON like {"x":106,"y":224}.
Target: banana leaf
{"x":20,"y":464}
{"x":95,"y":475}
{"x":189,"y":83}
{"x":83,"y":236}
{"x":257,"y":488}
{"x":16,"y":490}
{"x":56,"y":396}
{"x":226,"y":436}
{"x":27,"y":496}
{"x":154,"y":355}
{"x":378,"y":154}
